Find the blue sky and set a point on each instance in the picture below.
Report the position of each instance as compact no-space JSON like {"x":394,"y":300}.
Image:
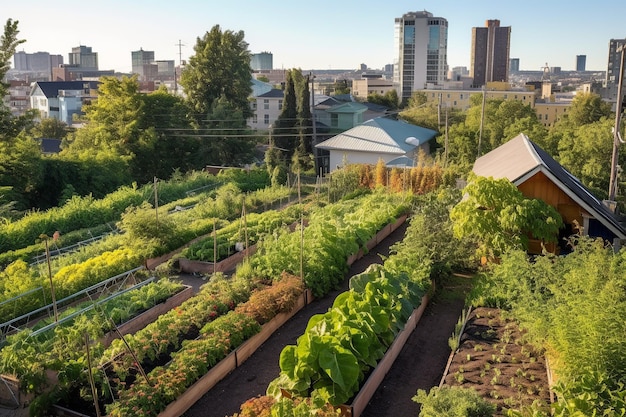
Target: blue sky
{"x":337,"y":34}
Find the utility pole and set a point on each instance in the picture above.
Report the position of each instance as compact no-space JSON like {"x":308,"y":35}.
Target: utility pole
{"x":314,"y":128}
{"x":180,"y":65}
{"x":482,"y":118}
{"x":616,"y":135}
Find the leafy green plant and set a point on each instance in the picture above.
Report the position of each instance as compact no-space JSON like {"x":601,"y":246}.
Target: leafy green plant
{"x":453,"y":402}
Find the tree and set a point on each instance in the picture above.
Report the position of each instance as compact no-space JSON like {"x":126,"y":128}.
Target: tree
{"x":219,"y":68}
{"x":165,"y":145}
{"x":286,"y":126}
{"x":498,"y":216}
{"x":8,"y":44}
{"x":389,"y":99}
{"x":50,"y":128}
{"x":112,"y":120}
{"x":20,"y":157}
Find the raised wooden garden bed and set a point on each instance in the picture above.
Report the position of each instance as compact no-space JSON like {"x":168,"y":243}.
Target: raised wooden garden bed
{"x":379,"y":237}
{"x":228,"y":264}
{"x":365,"y":394}
{"x":148,"y":316}
{"x":232,"y":361}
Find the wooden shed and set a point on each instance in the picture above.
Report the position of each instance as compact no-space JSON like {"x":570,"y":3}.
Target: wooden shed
{"x":537,"y":175}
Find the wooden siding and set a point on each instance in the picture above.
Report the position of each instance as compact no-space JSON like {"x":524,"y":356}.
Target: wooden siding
{"x":539,"y":186}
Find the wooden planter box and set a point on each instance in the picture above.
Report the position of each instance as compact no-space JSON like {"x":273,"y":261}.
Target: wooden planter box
{"x":365,"y":394}
{"x":227,"y":264}
{"x":148,"y":316}
{"x":232,"y":361}
{"x":379,"y":237}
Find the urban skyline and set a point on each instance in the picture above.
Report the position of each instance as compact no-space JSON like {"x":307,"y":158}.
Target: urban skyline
{"x":332,"y":35}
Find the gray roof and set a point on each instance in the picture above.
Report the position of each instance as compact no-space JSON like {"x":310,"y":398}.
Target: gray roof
{"x":51,"y":88}
{"x":380,"y":135}
{"x":273,"y":93}
{"x":520,"y":158}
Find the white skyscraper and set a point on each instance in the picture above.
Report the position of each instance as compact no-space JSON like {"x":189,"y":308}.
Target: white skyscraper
{"x":421,"y":47}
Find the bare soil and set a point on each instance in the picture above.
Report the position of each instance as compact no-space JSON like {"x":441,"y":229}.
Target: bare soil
{"x":495,"y":360}
{"x":420,"y":364}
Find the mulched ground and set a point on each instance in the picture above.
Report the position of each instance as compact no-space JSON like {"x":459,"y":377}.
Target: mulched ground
{"x":420,"y":364}
{"x":494,"y":359}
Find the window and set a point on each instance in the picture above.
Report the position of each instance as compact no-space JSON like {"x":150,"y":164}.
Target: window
{"x":266,"y":119}
{"x":280,"y":104}
{"x":266,"y":104}
{"x":254,"y":118}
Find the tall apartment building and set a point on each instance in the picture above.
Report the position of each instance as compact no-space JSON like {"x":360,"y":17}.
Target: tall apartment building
{"x":613,"y":68}
{"x":421,"y":48}
{"x":38,"y":62}
{"x":84,"y":58}
{"x":262,"y":61}
{"x":581,"y":62}
{"x":490,"y":53}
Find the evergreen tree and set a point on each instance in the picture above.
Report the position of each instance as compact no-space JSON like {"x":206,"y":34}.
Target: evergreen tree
{"x":286,"y":126}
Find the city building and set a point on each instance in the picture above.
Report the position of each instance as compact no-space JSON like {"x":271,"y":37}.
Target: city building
{"x":371,"y":84}
{"x":581,"y":62}
{"x":262,"y":61}
{"x":421,"y":48}
{"x":35,"y":67}
{"x":84,"y":58}
{"x":142,"y":63}
{"x":613,"y":68}
{"x":17,"y":99}
{"x":490,"y":53}
{"x":514,"y":65}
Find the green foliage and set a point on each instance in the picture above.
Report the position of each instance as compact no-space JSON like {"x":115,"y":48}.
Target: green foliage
{"x":338,"y":348}
{"x":389,"y":99}
{"x":141,"y":224}
{"x":453,"y":402}
{"x":8,"y":44}
{"x":573,"y":307}
{"x":220,"y":67}
{"x":497,"y":215}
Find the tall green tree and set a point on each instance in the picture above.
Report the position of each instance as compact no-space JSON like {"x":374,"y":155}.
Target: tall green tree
{"x":20,"y":157}
{"x":165,"y":145}
{"x":285,"y":131}
{"x":219,"y":68}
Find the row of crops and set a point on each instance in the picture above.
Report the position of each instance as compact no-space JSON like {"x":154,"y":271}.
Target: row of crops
{"x":170,"y":337}
{"x":26,"y":287}
{"x":573,"y":307}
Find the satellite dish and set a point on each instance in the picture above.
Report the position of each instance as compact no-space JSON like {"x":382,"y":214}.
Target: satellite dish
{"x":412,"y":140}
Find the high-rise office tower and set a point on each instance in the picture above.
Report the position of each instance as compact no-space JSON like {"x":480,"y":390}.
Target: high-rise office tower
{"x":490,"y":53}
{"x":613,"y":68}
{"x":581,"y":62}
{"x":421,"y":48}
{"x":83,"y":57}
{"x":262,"y":61}
{"x":514,"y":65}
